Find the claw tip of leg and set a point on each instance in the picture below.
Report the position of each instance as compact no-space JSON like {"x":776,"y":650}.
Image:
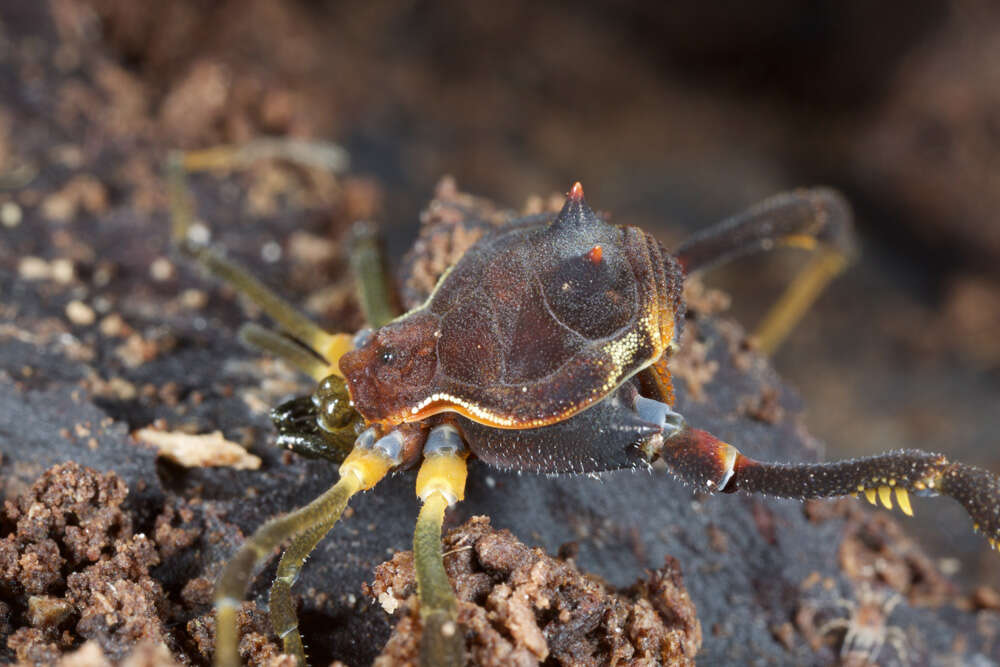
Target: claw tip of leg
{"x":885,"y":495}
{"x":903,"y":499}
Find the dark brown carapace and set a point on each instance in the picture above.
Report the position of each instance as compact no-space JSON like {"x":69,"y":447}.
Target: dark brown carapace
{"x":538,"y":322}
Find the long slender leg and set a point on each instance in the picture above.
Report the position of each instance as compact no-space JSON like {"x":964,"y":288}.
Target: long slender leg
{"x":817,"y":220}
{"x":311,"y":153}
{"x":362,"y":469}
{"x":699,"y":458}
{"x":390,"y":447}
{"x":289,"y":319}
{"x":440,"y":484}
{"x":284,"y":348}
{"x":374,"y":291}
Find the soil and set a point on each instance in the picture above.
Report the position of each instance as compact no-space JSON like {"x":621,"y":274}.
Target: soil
{"x":108,"y":550}
{"x":520,"y":606}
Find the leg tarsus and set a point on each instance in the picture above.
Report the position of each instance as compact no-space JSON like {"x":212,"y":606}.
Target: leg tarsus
{"x":283,"y":619}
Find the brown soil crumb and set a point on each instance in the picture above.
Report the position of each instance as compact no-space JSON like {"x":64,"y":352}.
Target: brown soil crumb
{"x":702,"y":300}
{"x":520,"y":606}
{"x":691,"y":363}
{"x":72,"y":568}
{"x":172,"y":539}
{"x":254,"y":628}
{"x":76,"y":580}
{"x":765,"y":407}
{"x":450,"y":225}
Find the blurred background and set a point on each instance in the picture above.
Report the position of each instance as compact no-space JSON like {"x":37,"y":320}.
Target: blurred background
{"x":673,"y":115}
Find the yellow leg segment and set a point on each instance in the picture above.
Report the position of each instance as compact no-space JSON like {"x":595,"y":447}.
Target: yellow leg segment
{"x":798,"y":297}
{"x":318,"y":154}
{"x":440,"y":483}
{"x":817,"y":220}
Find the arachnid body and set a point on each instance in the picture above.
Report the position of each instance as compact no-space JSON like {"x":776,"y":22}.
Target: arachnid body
{"x":545,"y":349}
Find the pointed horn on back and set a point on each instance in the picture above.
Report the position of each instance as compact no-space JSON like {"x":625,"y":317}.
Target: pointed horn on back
{"x":575,"y":212}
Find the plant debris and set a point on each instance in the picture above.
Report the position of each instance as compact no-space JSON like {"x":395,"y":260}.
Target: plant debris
{"x":195,"y":451}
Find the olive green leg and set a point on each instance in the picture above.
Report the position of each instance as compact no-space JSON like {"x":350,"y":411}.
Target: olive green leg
{"x":368,"y":267}
{"x":283,"y":619}
{"x":361,"y":470}
{"x":289,"y":319}
{"x":235,"y":578}
{"x":441,"y":642}
{"x":440,"y":483}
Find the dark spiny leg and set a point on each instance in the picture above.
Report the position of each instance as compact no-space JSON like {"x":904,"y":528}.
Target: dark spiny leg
{"x":817,"y":219}
{"x":361,"y":470}
{"x":391,"y":447}
{"x":699,"y":458}
{"x":440,"y":483}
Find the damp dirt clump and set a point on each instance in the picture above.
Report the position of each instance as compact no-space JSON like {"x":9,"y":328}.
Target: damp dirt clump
{"x":520,"y":606}
{"x":72,"y":569}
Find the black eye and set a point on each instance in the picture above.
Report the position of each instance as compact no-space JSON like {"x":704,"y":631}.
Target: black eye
{"x":387,"y":356}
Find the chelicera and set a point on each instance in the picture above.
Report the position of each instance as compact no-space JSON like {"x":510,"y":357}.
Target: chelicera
{"x":545,"y":348}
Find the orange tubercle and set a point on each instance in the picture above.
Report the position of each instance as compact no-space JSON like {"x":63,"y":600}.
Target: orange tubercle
{"x":576,"y":192}
{"x":595,"y":254}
